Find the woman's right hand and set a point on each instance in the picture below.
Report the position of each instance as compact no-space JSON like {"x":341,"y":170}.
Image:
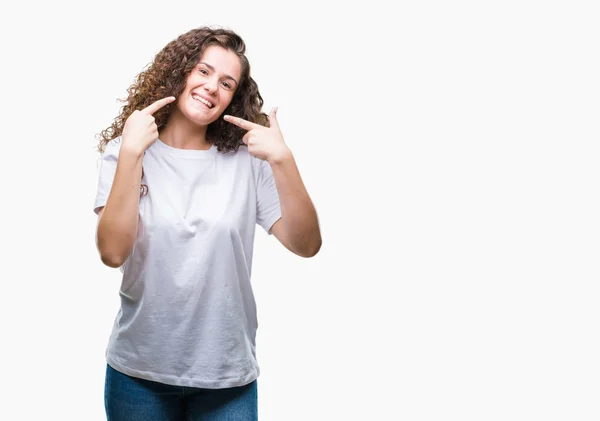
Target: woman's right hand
{"x":140,"y":130}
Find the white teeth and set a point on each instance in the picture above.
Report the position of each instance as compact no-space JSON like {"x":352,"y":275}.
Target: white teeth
{"x":202,"y":100}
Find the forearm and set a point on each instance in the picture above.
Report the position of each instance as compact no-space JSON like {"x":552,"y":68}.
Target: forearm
{"x":117,"y":227}
{"x":298,"y":214}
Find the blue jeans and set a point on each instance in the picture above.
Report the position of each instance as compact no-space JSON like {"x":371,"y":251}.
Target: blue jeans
{"x":128,"y":398}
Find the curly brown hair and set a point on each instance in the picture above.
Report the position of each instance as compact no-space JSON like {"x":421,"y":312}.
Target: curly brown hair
{"x":167,"y":74}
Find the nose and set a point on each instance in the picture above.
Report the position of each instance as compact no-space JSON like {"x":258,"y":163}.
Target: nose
{"x":211,"y":85}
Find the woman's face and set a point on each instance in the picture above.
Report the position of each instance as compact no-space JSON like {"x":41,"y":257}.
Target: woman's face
{"x":210,"y":85}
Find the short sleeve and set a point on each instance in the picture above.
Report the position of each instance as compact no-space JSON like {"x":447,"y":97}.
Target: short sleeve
{"x":268,"y":210}
{"x":106,"y":172}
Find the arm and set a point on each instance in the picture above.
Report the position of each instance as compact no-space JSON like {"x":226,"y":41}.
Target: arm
{"x":117,"y":221}
{"x":298,"y":228}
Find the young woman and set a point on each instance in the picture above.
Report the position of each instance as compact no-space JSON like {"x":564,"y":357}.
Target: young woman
{"x":188,"y":169}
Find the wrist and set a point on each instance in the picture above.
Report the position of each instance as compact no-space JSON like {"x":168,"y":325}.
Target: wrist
{"x":130,"y":152}
{"x":281,"y":157}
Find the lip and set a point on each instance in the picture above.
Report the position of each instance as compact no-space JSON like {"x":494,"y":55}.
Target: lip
{"x":212,"y":101}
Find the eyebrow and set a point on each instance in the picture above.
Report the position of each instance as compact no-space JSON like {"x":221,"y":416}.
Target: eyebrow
{"x":213,"y":69}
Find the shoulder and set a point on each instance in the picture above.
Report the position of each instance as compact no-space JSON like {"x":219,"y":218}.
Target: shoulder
{"x":112,"y":148}
{"x":260,"y":168}
{"x":241,"y":156}
{"x":254,"y":166}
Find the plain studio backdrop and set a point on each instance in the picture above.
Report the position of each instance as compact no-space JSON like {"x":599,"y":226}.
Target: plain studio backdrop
{"x":451,"y":150}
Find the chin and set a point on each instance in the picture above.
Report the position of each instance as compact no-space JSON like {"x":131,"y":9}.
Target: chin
{"x":202,"y":119}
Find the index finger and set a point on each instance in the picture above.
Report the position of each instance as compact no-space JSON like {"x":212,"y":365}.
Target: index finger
{"x":240,"y":122}
{"x":155,"y":106}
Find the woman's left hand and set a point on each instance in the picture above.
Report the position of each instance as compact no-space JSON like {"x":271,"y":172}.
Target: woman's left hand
{"x":265,"y":143}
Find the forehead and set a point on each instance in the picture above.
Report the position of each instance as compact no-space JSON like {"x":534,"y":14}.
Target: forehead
{"x":224,"y":61}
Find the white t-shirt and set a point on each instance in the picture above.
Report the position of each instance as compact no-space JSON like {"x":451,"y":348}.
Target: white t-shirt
{"x":188,"y":314}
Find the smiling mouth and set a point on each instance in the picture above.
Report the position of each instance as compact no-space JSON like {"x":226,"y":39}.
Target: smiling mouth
{"x":203,"y":101}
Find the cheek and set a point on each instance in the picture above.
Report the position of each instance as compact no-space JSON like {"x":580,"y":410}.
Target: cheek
{"x":182,"y":100}
{"x":226,"y":99}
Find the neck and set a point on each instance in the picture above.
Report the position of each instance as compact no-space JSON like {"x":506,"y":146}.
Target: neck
{"x":180,"y":133}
